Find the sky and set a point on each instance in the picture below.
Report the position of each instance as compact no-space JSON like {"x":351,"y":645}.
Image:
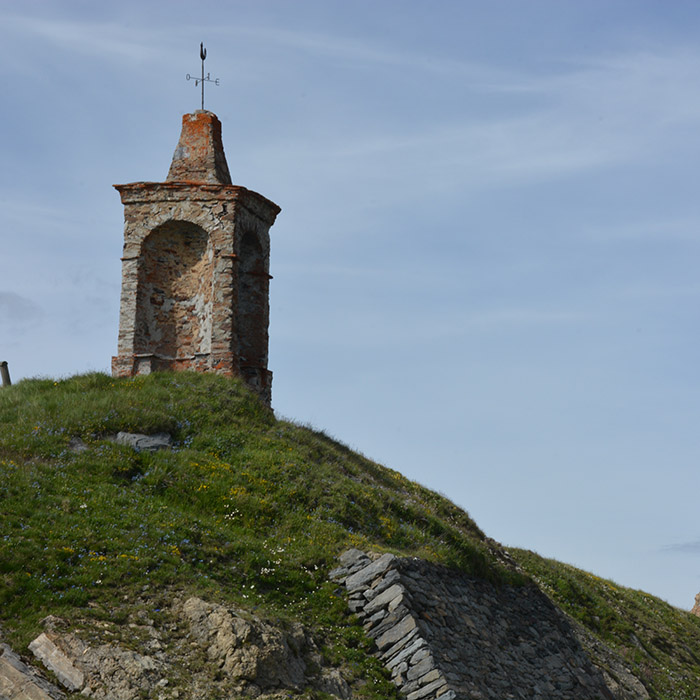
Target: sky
{"x":486,"y":264}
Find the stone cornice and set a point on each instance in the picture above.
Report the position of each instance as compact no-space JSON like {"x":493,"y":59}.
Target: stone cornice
{"x":151,"y":192}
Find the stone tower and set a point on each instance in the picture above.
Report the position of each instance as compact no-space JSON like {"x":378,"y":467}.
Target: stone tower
{"x":195,"y":268}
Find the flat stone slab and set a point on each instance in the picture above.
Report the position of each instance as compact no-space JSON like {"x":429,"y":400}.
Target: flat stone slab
{"x":55,"y":660}
{"x":354,"y":557}
{"x":145,"y":443}
{"x":402,"y":629}
{"x":364,"y":576}
{"x":385,"y":598}
{"x":427,"y":689}
{"x":415,"y":647}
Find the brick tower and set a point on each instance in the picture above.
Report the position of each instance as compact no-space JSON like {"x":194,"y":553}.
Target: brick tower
{"x":195,"y":268}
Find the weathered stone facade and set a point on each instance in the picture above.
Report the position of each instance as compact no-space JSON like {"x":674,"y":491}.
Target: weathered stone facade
{"x":195,"y":267}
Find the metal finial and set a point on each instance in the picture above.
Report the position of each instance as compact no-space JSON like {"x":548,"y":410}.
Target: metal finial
{"x":202,"y":80}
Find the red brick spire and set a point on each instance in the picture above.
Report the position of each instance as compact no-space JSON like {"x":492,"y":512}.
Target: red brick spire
{"x":199,"y":156}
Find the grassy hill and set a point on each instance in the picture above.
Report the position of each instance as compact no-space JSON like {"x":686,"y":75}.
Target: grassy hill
{"x":250,"y":511}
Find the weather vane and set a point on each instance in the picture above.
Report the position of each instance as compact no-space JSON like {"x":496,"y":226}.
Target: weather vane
{"x":208,"y":79}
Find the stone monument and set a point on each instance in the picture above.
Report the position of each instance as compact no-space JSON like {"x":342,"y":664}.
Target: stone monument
{"x":195,"y":267}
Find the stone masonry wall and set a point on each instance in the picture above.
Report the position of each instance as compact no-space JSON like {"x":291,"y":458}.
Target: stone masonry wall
{"x":253,"y":313}
{"x":445,"y":635}
{"x":186,"y":302}
{"x":195,"y":267}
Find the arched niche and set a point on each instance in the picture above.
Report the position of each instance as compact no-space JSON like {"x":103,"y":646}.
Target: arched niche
{"x":174,"y":304}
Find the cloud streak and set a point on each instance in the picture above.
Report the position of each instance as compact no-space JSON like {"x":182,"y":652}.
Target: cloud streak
{"x":104,"y":40}
{"x":594,"y":114}
{"x":683,"y":547}
{"x":16,"y":310}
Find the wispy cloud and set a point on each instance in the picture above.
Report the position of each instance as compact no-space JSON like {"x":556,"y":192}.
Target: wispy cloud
{"x":589,"y":115}
{"x":683,"y":547}
{"x":18,"y":310}
{"x":364,"y":52}
{"x":581,"y":116}
{"x":364,"y":326}
{"x":686,"y":229}
{"x":93,"y":38}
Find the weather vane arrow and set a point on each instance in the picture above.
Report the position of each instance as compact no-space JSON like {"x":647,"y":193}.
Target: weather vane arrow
{"x":202,"y":80}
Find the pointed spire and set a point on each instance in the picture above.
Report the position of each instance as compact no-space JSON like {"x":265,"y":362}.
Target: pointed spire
{"x":199,"y":156}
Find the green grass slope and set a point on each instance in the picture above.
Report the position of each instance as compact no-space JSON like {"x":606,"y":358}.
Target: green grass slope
{"x":246,"y":509}
{"x":251,"y":511}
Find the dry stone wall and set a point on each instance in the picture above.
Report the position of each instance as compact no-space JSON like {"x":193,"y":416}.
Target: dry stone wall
{"x":445,"y":635}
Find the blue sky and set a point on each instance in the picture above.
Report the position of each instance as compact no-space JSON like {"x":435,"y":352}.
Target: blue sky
{"x":486,"y":265}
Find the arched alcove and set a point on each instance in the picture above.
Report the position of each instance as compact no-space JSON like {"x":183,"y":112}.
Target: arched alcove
{"x":174,"y":304}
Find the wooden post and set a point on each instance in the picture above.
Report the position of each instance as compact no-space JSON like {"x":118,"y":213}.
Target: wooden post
{"x":5,"y":374}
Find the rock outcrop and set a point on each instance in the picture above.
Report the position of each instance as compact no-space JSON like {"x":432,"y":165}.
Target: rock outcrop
{"x":19,"y":681}
{"x":695,"y":610}
{"x":258,"y":656}
{"x":105,"y":671}
{"x":203,"y":650}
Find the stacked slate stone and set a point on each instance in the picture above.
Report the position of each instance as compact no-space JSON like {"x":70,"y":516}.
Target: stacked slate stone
{"x":378,"y":597}
{"x":445,"y":635}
